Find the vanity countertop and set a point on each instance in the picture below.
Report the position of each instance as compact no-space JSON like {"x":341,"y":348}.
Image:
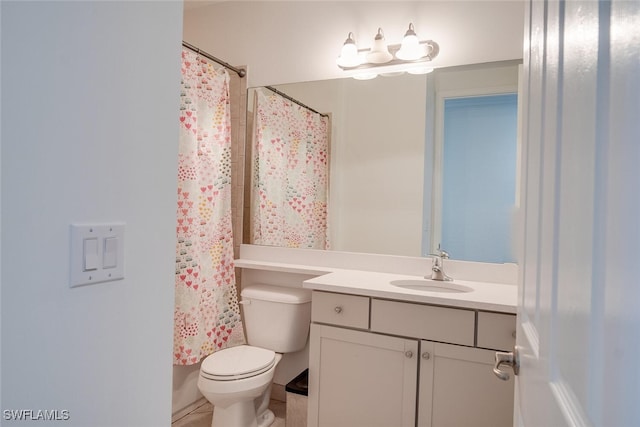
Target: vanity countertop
{"x":485,"y":296}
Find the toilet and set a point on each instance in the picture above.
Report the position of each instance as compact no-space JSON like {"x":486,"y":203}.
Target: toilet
{"x":237,"y":380}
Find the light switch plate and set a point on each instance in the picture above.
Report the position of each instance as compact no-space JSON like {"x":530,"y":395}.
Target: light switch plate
{"x":114,"y":268}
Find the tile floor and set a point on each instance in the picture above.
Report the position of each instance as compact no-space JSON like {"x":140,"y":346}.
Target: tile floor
{"x":201,"y":416}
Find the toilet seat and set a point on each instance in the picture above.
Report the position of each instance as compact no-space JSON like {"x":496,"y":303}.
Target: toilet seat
{"x":236,"y":363}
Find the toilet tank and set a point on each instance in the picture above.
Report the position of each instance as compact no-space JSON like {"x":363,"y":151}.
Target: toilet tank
{"x":276,"y":317}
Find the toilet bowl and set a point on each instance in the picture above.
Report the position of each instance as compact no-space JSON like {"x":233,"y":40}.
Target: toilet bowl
{"x":237,"y":380}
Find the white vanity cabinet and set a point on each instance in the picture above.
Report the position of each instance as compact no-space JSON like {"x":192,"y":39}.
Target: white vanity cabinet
{"x":378,"y":362}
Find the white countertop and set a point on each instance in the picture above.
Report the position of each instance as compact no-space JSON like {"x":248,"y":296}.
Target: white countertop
{"x":485,"y":296}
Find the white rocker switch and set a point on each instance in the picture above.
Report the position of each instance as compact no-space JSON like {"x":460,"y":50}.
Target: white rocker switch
{"x":110,"y":253}
{"x":90,"y":252}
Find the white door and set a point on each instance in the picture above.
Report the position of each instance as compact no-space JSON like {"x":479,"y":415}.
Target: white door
{"x":579,"y":299}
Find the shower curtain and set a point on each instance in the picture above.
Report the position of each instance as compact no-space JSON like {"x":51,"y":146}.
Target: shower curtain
{"x":291,"y":173}
{"x":206,"y":315}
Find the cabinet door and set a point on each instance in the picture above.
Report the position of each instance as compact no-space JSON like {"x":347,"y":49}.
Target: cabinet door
{"x":458,"y":388}
{"x":361,"y":379}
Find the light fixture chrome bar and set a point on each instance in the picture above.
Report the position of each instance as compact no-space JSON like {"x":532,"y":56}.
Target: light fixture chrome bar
{"x":433,"y":52}
{"x":239,"y":71}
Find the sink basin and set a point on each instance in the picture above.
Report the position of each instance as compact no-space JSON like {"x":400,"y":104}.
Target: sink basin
{"x":431,"y":286}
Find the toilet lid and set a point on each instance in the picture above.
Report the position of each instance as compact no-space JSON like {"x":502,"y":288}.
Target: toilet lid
{"x":237,"y":362}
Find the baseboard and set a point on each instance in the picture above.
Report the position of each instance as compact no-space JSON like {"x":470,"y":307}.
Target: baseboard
{"x":187,"y":410}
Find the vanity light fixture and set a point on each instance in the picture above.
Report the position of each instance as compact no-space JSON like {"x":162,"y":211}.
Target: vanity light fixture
{"x":412,"y":55}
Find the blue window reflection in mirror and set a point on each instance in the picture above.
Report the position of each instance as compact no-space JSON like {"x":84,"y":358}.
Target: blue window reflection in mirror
{"x":478,"y":177}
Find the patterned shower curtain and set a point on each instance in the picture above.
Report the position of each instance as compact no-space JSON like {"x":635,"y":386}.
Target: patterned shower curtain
{"x":291,"y":173}
{"x":206,"y":315}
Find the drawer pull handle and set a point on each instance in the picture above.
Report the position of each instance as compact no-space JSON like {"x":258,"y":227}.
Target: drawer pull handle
{"x":409,"y":354}
{"x":338,"y":309}
{"x":426,"y":355}
{"x":513,"y":334}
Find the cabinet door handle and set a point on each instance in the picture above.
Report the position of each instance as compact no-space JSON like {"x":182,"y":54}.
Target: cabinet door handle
{"x":408,"y":354}
{"x":510,"y":358}
{"x":338,"y":309}
{"x":426,"y":355}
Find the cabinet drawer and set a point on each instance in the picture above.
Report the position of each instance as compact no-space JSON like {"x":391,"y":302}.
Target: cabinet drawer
{"x":339,"y":309}
{"x":442,"y":324}
{"x":496,"y":331}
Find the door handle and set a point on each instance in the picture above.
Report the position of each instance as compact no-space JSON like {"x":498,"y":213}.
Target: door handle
{"x":511,"y":359}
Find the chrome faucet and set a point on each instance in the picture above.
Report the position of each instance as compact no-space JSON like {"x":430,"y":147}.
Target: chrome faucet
{"x":437,"y":269}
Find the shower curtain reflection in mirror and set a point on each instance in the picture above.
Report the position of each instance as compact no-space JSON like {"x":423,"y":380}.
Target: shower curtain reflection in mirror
{"x":290,"y":174}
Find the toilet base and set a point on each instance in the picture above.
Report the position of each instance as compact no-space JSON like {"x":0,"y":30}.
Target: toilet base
{"x":236,"y":416}
{"x":245,"y":413}
{"x":267,"y":418}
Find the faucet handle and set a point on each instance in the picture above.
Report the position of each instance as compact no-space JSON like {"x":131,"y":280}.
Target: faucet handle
{"x":441,"y":253}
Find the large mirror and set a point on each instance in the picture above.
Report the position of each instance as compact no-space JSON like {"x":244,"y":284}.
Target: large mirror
{"x":390,"y":167}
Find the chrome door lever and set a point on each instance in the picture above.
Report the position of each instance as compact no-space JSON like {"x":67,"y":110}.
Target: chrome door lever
{"x":510,"y":358}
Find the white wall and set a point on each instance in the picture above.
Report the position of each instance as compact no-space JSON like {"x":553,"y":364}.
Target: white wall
{"x":476,"y":80}
{"x":89,"y":101}
{"x":380,"y":168}
{"x":185,"y":388}
{"x":284,"y":42}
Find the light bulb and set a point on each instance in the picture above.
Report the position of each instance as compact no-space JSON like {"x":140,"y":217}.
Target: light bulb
{"x":379,"y":53}
{"x":410,"y":49}
{"x":349,"y":55}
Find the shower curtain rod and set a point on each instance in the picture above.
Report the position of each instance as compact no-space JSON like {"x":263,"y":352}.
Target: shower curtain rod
{"x":284,"y":95}
{"x":239,"y":71}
